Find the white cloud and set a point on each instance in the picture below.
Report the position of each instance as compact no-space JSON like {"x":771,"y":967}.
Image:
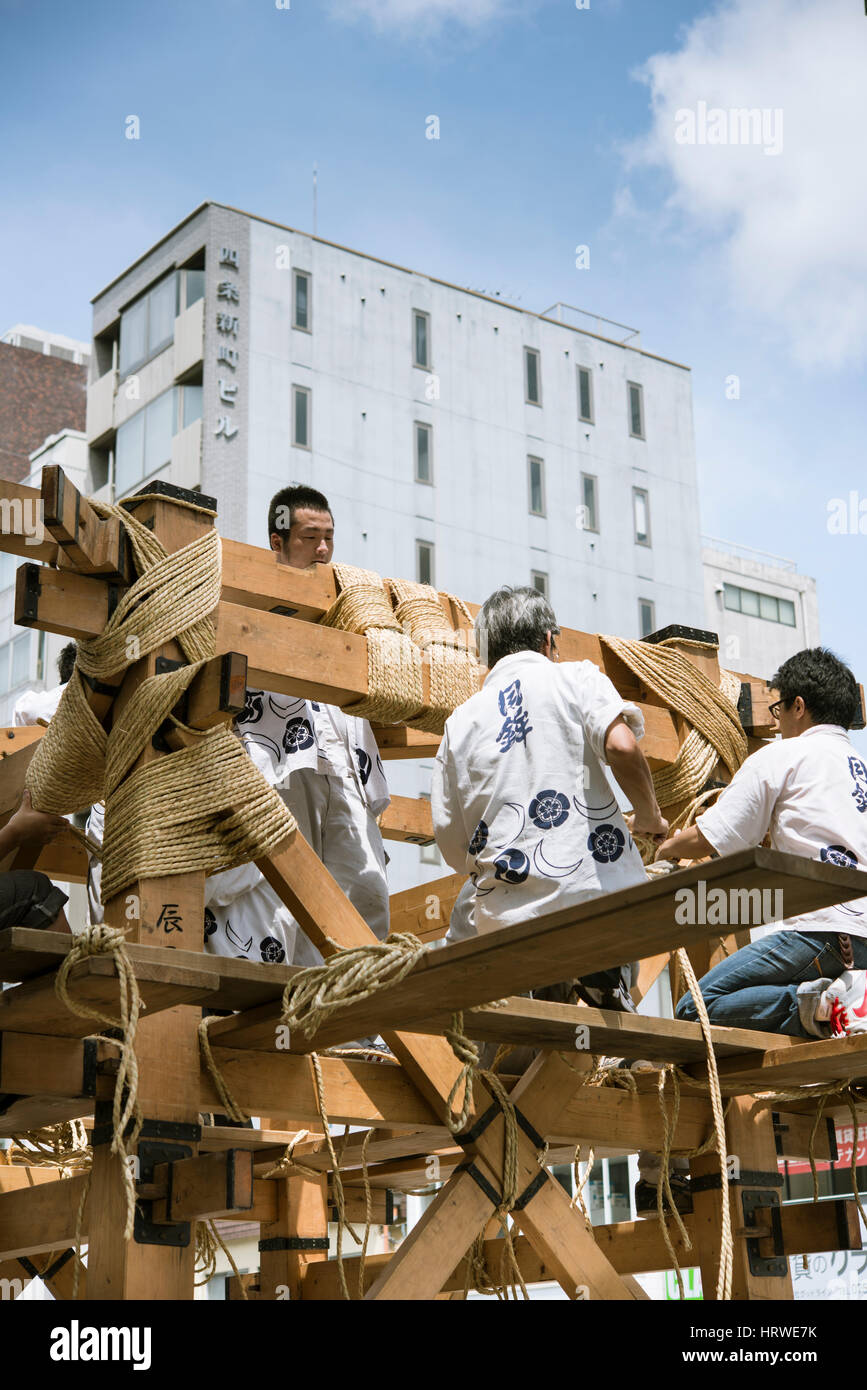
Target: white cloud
{"x":420,"y":16}
{"x":791,"y":225}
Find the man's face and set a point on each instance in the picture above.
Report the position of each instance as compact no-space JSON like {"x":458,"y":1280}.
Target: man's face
{"x":310,"y":540}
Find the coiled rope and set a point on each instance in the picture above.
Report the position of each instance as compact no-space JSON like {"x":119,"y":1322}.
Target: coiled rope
{"x":204,"y":807}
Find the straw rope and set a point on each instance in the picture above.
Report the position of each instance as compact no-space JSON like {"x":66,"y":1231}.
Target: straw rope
{"x":454,"y":670}
{"x":98,"y":941}
{"x":347,"y":977}
{"x":467,"y":1053}
{"x":204,"y":807}
{"x":394,"y":678}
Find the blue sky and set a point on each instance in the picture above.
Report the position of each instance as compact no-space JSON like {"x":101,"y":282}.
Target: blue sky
{"x":555,"y":130}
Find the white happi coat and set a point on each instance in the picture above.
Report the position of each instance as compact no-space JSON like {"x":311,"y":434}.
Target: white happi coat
{"x":34,"y":705}
{"x":810,"y":792}
{"x":327,"y":768}
{"x":519,"y":798}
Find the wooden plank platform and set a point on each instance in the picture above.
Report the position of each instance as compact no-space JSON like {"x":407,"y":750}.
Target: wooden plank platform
{"x":616,"y":927}
{"x":536,"y":1023}
{"x":33,"y":1007}
{"x":237,"y":984}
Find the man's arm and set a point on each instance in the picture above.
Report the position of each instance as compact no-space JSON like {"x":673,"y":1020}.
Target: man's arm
{"x":634,"y":778}
{"x":29,"y":827}
{"x":685,"y":844}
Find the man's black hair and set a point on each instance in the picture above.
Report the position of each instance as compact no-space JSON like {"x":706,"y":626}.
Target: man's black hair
{"x":824,"y":683}
{"x":284,"y":504}
{"x":66,"y":662}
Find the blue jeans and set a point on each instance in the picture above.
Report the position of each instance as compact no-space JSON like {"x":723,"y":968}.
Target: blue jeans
{"x":757,"y":987}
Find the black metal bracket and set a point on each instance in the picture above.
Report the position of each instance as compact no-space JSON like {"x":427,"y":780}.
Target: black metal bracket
{"x":171,"y":493}
{"x":712,"y":1182}
{"x":171,"y":1131}
{"x":745,"y":705}
{"x":294,"y":1243}
{"x":88,"y":1070}
{"x":29,"y":589}
{"x":765,"y":1267}
{"x":146,"y":1231}
{"x":478,"y":1177}
{"x":685,"y":634}
{"x":469,"y":1136}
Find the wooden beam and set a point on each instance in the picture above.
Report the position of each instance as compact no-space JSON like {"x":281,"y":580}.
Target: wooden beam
{"x":87,"y":543}
{"x":408,"y":819}
{"x":638,"y":921}
{"x":363,"y":1093}
{"x":633,"y":1247}
{"x":34,"y":1007}
{"x":20,"y":516}
{"x":567,"y":1028}
{"x":834,"y":1059}
{"x":42,"y":1217}
{"x":425,"y":910}
{"x":238,"y":984}
{"x":205,"y":1187}
{"x":286,"y":655}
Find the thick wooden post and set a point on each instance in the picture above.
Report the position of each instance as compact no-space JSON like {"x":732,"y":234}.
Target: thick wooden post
{"x":760,"y":1268}
{"x":170,"y":912}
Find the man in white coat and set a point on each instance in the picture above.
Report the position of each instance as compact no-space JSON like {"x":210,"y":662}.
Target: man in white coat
{"x":327,"y":768}
{"x":519,"y":798}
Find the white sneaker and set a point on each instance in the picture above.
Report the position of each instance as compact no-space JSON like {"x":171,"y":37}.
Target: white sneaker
{"x":846,"y":998}
{"x":811,"y":993}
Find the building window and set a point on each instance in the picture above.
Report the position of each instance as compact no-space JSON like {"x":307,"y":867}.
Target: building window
{"x":585,"y":395}
{"x":301,"y":405}
{"x":756,"y":605}
{"x":636,"y":410}
{"x":641,"y":512}
{"x":646,"y":617}
{"x":191,"y":287}
{"x":539,"y":580}
{"x":189,"y":405}
{"x":421,"y":347}
{"x":423,"y":453}
{"x":148,"y":326}
{"x":20,"y":660}
{"x":302,"y":316}
{"x":424,"y":562}
{"x":144,"y":441}
{"x":536,"y":479}
{"x":532,"y":377}
{"x":590,"y":509}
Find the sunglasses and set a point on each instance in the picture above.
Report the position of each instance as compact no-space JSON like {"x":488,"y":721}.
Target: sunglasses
{"x":774,"y":709}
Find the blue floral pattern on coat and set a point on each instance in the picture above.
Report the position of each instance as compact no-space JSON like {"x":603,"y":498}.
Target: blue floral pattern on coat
{"x":549,"y":809}
{"x":839,"y":855}
{"x":512,"y":867}
{"x":479,"y":840}
{"x":364,"y":765}
{"x":210,"y":923}
{"x":297,"y":735}
{"x":606,"y":844}
{"x":254,"y":707}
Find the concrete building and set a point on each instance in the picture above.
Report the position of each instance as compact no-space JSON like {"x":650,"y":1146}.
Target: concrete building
{"x":460,"y":439}
{"x":763,"y":610}
{"x":43,"y":383}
